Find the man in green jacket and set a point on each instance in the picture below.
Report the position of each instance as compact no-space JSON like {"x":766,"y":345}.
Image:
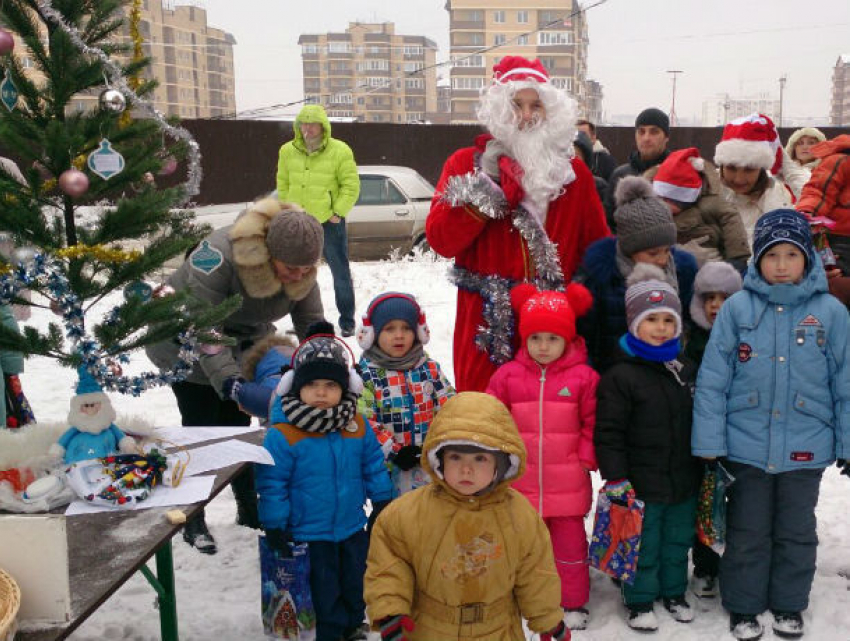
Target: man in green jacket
{"x":318,"y":173}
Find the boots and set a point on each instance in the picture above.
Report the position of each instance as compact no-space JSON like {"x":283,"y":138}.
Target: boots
{"x":196,"y":534}
{"x":246,"y":499}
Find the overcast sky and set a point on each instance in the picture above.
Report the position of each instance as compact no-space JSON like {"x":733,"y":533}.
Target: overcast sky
{"x":735,"y":46}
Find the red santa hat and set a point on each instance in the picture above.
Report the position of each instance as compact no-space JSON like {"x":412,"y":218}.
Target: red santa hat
{"x":678,"y":176}
{"x":751,"y":141}
{"x":550,"y":311}
{"x":517,"y":68}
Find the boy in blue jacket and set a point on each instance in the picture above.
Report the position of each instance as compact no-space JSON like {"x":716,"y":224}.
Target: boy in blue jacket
{"x":773,"y":398}
{"x":327,"y":463}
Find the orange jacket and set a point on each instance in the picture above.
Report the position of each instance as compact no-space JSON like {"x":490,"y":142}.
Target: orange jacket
{"x":828,"y":191}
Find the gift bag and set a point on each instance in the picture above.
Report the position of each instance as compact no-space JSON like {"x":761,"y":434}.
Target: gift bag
{"x":615,"y":544}
{"x":711,"y":508}
{"x":287,"y":604}
{"x":18,"y":410}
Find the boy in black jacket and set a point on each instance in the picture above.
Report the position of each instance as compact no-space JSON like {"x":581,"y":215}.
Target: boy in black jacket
{"x":642,"y":439}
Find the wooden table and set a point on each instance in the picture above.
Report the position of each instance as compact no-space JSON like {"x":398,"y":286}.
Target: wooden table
{"x":98,"y":570}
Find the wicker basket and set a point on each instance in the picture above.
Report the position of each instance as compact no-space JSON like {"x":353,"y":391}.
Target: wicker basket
{"x":10,"y":601}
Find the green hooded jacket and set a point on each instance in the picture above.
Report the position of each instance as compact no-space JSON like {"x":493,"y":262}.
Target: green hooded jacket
{"x":324,"y":182}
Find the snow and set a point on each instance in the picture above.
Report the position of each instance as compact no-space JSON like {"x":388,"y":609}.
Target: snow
{"x":219,"y":596}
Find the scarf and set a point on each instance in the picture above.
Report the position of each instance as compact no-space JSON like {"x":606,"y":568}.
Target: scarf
{"x":634,"y":346}
{"x":414,"y":358}
{"x":320,"y":421}
{"x":625,"y":265}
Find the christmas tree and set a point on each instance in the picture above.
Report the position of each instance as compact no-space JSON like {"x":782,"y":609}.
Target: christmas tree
{"x":88,"y":218}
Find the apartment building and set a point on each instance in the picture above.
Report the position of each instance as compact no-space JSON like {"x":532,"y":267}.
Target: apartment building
{"x":839,"y":112}
{"x":370,"y":73}
{"x":555,"y":31}
{"x":192,"y":61}
{"x":722,"y":108}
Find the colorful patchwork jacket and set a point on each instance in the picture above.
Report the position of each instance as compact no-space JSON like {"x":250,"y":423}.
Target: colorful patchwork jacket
{"x":400,"y":404}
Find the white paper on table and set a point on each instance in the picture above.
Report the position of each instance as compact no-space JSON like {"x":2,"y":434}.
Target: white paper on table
{"x":190,"y":490}
{"x":219,"y":455}
{"x":192,"y":435}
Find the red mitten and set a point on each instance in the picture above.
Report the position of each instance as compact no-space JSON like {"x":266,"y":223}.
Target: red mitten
{"x":395,"y":628}
{"x":510,"y":179}
{"x":560,"y":633}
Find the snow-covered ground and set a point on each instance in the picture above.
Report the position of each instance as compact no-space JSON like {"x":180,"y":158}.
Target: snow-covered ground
{"x":219,"y":596}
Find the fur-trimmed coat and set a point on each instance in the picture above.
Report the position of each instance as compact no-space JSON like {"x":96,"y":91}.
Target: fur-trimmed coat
{"x":235,"y":260}
{"x":10,"y":362}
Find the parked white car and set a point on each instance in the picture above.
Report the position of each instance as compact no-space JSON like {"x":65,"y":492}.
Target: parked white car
{"x":389,"y":214}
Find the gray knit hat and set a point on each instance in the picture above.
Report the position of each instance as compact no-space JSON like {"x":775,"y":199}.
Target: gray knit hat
{"x":295,"y":238}
{"x":643,"y":220}
{"x":714,"y":276}
{"x":649,"y":293}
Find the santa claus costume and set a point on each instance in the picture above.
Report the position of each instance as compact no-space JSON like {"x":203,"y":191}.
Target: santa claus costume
{"x":515,"y":207}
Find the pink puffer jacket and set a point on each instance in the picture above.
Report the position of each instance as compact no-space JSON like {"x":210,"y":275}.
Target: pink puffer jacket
{"x":555,"y":410}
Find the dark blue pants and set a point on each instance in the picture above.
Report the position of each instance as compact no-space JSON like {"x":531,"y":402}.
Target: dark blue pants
{"x":336,"y":255}
{"x":771,"y":540}
{"x":336,"y":580}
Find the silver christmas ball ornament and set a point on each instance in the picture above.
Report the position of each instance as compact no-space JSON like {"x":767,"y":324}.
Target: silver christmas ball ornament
{"x":113,"y":101}
{"x":24,"y":255}
{"x":74,"y":182}
{"x":7,"y":42}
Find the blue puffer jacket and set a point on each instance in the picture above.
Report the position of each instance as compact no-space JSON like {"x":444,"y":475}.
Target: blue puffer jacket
{"x":774,"y":388}
{"x":319,"y":483}
{"x":603,"y":326}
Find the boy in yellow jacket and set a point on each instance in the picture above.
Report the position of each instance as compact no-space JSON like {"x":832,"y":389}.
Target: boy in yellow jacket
{"x":466,"y":557}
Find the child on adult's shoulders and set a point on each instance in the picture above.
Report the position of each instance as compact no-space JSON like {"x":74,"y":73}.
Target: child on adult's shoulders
{"x":465,"y":556}
{"x":403,"y":387}
{"x":773,"y":400}
{"x":327,"y":462}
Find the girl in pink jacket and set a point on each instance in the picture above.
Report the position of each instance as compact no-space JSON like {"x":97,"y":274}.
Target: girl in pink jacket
{"x":551,"y":393}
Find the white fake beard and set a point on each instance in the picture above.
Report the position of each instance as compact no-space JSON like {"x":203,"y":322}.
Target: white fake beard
{"x":545,"y":162}
{"x":92,"y":424}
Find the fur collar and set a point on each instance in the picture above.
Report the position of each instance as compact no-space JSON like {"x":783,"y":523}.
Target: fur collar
{"x":251,"y":256}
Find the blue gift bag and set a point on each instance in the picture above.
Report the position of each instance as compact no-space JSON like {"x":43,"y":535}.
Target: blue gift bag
{"x":287,"y":604}
{"x":615,"y":543}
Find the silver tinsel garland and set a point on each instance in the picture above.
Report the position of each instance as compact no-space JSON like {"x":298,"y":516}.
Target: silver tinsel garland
{"x":496,"y":337}
{"x":192,"y":186}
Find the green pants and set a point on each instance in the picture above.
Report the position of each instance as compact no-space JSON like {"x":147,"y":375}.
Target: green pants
{"x":668,"y":533}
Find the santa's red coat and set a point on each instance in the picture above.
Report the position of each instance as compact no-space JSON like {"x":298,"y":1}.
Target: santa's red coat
{"x":486,"y":246}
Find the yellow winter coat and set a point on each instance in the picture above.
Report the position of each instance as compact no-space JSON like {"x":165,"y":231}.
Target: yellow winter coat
{"x":465,"y":567}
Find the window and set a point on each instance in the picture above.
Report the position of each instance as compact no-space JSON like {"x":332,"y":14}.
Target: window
{"x":545,"y":38}
{"x":522,"y":40}
{"x":339,"y":47}
{"x":469,"y":61}
{"x":379,"y":190}
{"x":563,"y":83}
{"x":410,"y":67}
{"x":522,"y":17}
{"x":466,"y":83}
{"x":499,"y":39}
{"x":342,"y":98}
{"x":499,"y":17}
{"x":26,"y":62}
{"x":414,"y":83}
{"x":411,"y":50}
{"x":375,"y":65}
{"x":548,"y":17}
{"x":548,"y":63}
{"x":372,"y":81}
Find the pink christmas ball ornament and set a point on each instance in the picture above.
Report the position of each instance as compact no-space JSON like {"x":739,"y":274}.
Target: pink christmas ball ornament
{"x":169,"y":166}
{"x":161,"y":291}
{"x":7,"y":42}
{"x":74,"y":183}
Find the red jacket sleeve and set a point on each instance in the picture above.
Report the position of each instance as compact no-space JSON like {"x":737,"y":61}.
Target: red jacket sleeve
{"x":820,"y":194}
{"x":449,"y":229}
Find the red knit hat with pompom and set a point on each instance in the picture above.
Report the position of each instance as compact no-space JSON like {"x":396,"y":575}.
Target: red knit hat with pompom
{"x":550,"y":311}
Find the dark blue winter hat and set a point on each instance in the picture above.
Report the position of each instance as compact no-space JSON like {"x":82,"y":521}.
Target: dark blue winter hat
{"x":387,"y":307}
{"x":783,"y":226}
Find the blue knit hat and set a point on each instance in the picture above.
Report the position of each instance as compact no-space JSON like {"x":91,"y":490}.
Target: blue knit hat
{"x":87,"y":384}
{"x":783,"y":226}
{"x":387,"y":307}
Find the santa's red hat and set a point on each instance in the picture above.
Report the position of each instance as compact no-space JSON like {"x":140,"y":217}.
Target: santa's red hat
{"x":751,"y":141}
{"x":517,"y":68}
{"x":550,"y":311}
{"x":678,"y":176}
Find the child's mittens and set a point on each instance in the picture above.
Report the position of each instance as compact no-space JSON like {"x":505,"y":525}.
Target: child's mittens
{"x":407,"y":457}
{"x":231,"y":387}
{"x":279,"y":541}
{"x":618,"y":491}
{"x":844,"y":466}
{"x":560,"y":633}
{"x":395,"y":628}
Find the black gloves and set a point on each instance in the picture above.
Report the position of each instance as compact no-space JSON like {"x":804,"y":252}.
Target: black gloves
{"x":231,"y":386}
{"x":377,"y":508}
{"x":407,"y":457}
{"x":844,"y":466}
{"x":279,"y":541}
